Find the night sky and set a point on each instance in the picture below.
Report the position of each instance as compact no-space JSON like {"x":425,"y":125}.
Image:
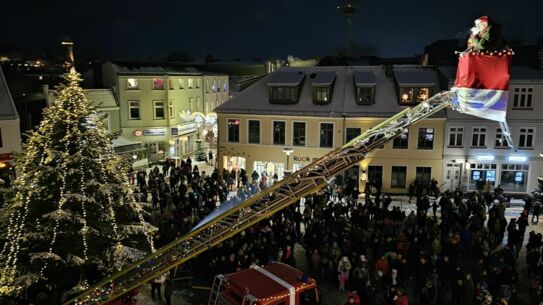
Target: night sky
{"x":254,"y":29}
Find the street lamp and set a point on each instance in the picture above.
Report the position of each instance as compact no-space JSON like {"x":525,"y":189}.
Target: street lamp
{"x":288,"y":151}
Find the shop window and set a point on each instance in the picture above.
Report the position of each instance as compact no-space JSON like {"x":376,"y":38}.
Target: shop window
{"x":514,"y":177}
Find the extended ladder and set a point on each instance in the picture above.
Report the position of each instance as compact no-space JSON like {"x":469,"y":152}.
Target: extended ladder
{"x":264,"y":204}
{"x":216,"y":289}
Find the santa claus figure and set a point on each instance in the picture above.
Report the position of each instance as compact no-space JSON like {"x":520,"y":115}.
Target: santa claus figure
{"x":486,"y":36}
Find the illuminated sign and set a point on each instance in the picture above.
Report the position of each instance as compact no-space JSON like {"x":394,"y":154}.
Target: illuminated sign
{"x":155,"y":132}
{"x":485,"y":158}
{"x":186,"y":128}
{"x":304,"y":159}
{"x":517,"y":158}
{"x":138,"y":133}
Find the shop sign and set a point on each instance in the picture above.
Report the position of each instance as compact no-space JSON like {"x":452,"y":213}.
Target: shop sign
{"x":138,"y":133}
{"x":304,"y":159}
{"x":186,"y":128}
{"x":485,"y":158}
{"x":154,"y":132}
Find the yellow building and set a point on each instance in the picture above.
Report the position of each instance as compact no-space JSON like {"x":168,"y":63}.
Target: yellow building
{"x":312,"y":110}
{"x":166,"y":107}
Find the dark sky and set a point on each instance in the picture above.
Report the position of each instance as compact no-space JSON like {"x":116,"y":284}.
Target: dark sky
{"x":254,"y":29}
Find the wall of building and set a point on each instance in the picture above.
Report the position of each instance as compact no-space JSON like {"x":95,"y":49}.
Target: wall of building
{"x":11,"y":136}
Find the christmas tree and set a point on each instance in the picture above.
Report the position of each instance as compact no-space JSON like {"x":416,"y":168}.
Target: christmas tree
{"x":72,"y":218}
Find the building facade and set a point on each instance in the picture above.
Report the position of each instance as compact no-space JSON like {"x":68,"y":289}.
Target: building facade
{"x":10,"y":134}
{"x":166,"y":109}
{"x":313,"y":110}
{"x":475,"y":149}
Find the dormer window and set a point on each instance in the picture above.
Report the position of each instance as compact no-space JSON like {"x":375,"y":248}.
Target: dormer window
{"x":284,"y":87}
{"x":365,"y":87}
{"x":414,"y":84}
{"x":413,"y":95}
{"x":323,"y":86}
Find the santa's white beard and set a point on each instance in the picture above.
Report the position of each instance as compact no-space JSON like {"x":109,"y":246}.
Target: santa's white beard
{"x":475,"y":30}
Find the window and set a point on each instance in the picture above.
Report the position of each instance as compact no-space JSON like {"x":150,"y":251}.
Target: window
{"x":198,"y":83}
{"x":514,"y":177}
{"x":254,"y":132}
{"x":233,"y":130}
{"x":283,"y":95}
{"x":480,"y":173}
{"x":365,"y":95}
{"x":320,"y":95}
{"x":207,"y":85}
{"x":424,"y":174}
{"x":298,"y":134}
{"x":501,"y":141}
{"x":401,"y":141}
{"x":478,"y":137}
{"x":170,"y":84}
{"x":327,"y":135}
{"x":278,"y":133}
{"x":159,"y":110}
{"x":134,"y":110}
{"x":214,"y":86}
{"x":158,"y":84}
{"x":456,"y":136}
{"x":225,"y":86}
{"x":522,"y":98}
{"x":191,"y":83}
{"x":413,"y":95}
{"x":170,"y":109}
{"x":426,"y":138}
{"x":375,"y":175}
{"x":181,"y":83}
{"x":351,"y":133}
{"x":132,"y":83}
{"x":398,"y":176}
{"x":526,"y":138}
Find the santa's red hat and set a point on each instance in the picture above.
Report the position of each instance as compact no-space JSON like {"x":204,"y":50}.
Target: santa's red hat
{"x":482,"y":19}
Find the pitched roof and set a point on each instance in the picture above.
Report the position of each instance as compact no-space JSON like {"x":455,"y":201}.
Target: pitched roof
{"x":322,"y":78}
{"x":255,"y":99}
{"x":7,"y":107}
{"x":104,"y":97}
{"x":415,"y":75}
{"x":156,"y":68}
{"x":286,"y":78}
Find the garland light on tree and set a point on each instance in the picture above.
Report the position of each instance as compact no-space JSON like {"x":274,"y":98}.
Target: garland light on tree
{"x":72,"y":218}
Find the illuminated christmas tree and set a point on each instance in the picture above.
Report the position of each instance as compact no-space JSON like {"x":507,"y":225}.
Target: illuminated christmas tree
{"x":71,"y":217}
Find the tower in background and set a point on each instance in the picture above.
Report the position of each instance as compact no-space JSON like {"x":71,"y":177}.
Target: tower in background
{"x":68,"y":45}
{"x":349,"y":10}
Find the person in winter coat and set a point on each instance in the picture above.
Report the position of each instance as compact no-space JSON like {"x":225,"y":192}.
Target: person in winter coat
{"x":168,"y":291}
{"x":343,"y":269}
{"x":401,"y":298}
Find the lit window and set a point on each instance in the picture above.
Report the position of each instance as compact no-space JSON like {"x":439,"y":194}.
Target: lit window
{"x":364,"y":95}
{"x":134,"y":110}
{"x":214,"y":86}
{"x":181,"y":83}
{"x":132,"y":83}
{"x":320,"y":95}
{"x":191,"y":83}
{"x":413,"y":95}
{"x":225,"y":86}
{"x":426,"y":138}
{"x":159,"y":110}
{"x":233,"y":130}
{"x":158,"y":84}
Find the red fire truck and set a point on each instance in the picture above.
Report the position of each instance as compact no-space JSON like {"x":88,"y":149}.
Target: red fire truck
{"x":274,"y":284}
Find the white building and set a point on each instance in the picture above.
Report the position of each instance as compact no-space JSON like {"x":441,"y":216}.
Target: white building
{"x":10,"y":134}
{"x":475,"y":149}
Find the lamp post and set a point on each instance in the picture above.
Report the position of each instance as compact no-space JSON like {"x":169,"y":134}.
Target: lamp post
{"x":287,"y":151}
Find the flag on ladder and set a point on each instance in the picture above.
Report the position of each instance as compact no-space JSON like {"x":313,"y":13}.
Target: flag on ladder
{"x":482,"y":84}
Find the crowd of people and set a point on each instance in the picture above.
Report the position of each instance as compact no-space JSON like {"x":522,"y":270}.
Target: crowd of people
{"x":377,"y":253}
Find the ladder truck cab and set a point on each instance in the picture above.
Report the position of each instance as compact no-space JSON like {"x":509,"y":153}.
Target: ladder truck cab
{"x":274,"y":284}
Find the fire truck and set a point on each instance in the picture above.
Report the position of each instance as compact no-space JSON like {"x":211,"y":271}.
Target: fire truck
{"x":274,"y":284}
